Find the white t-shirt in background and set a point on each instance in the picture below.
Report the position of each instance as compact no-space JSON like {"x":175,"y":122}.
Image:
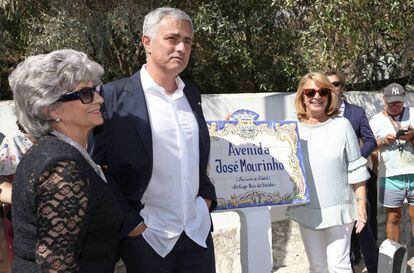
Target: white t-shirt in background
{"x":392,"y":160}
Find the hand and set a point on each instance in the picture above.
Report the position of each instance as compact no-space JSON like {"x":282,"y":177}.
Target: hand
{"x":138,"y":230}
{"x":359,"y":226}
{"x":5,"y":190}
{"x":388,"y":139}
{"x":408,"y":136}
{"x":362,"y":216}
{"x":208,"y":202}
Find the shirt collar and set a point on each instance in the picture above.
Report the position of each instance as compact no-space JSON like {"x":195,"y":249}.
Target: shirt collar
{"x":342,"y":109}
{"x":149,"y":85}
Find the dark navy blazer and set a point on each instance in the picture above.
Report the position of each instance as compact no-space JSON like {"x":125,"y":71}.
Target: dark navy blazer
{"x":356,"y":115}
{"x":123,"y":145}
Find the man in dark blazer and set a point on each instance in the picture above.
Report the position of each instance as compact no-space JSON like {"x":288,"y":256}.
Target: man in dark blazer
{"x":155,"y":145}
{"x":356,"y":115}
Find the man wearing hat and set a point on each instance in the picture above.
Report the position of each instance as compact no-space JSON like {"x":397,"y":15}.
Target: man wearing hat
{"x":394,"y":131}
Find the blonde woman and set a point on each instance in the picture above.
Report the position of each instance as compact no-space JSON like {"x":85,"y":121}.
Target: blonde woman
{"x":335,"y":174}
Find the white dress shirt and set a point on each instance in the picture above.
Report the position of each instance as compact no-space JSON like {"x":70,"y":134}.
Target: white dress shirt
{"x":341,"y":109}
{"x":171,"y":202}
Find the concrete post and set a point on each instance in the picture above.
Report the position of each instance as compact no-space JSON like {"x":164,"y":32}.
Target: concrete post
{"x":392,"y":258}
{"x":256,"y":240}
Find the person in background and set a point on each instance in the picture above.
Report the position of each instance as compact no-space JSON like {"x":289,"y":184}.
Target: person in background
{"x":335,"y":175}
{"x":65,"y":215}
{"x":394,"y":131}
{"x":12,"y":148}
{"x":155,"y":145}
{"x":1,"y":239}
{"x":356,"y":116}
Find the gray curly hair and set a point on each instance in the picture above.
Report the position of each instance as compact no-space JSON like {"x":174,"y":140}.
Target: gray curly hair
{"x":152,"y":19}
{"x":39,"y":81}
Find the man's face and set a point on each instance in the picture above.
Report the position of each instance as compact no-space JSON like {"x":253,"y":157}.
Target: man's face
{"x":337,"y":83}
{"x":394,"y":108}
{"x":168,"y":53}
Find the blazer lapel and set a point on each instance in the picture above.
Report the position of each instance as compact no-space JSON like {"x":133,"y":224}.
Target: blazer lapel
{"x":191,"y":100}
{"x":138,"y":111}
{"x":347,"y":111}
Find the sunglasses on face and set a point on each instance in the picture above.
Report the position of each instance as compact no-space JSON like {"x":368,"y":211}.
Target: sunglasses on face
{"x":337,"y":84}
{"x":310,"y":93}
{"x":85,"y":95}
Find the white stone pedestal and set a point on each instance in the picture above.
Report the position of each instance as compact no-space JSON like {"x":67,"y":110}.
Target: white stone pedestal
{"x":256,"y":240}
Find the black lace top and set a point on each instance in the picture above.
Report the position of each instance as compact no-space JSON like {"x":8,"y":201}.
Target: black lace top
{"x":65,"y":217}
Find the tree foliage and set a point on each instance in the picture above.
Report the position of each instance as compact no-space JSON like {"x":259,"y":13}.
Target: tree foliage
{"x":239,"y":46}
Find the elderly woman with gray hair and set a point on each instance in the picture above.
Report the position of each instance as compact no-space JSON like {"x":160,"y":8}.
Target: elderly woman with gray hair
{"x":65,"y":216}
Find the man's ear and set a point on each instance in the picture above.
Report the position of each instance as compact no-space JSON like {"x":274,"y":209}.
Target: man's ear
{"x":146,"y":41}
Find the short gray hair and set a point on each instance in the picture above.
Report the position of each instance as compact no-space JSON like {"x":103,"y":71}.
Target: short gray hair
{"x":39,"y":81}
{"x":152,"y":19}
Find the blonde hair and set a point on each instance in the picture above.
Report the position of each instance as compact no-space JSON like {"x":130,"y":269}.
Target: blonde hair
{"x":322,"y":81}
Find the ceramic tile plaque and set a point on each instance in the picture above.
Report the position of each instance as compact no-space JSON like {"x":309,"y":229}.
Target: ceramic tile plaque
{"x":256,"y":163}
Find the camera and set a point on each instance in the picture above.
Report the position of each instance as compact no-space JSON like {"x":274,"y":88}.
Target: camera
{"x":400,"y":133}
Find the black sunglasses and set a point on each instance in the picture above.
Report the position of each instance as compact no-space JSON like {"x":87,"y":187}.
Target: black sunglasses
{"x":337,"y":84}
{"x":310,"y":93}
{"x":85,"y":95}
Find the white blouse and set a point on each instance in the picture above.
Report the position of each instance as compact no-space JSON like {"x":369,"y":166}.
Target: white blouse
{"x":333,"y":162}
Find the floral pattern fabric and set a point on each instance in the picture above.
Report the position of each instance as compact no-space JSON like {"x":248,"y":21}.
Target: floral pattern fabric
{"x":12,"y":149}
{"x":62,"y":202}
{"x":65,"y":217}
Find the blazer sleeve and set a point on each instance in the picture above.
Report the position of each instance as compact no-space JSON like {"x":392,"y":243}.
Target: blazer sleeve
{"x":207,"y":189}
{"x":98,"y":146}
{"x":368,"y":139}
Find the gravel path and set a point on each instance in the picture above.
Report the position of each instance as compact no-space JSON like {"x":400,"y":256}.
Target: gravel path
{"x":289,"y":253}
